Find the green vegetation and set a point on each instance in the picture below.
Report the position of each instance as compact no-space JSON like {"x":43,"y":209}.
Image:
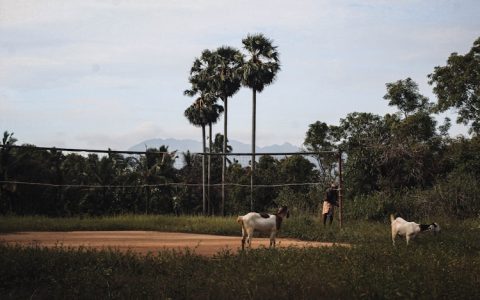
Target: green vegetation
{"x":397,"y":163}
{"x":458,"y":85}
{"x":433,"y":267}
{"x":211,"y":225}
{"x":402,"y":162}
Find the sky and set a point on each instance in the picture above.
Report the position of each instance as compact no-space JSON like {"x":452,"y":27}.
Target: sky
{"x":111,"y":74}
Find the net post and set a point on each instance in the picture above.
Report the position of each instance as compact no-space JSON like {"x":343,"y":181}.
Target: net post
{"x":340,"y":186}
{"x":251,"y":189}
{"x":204,"y":195}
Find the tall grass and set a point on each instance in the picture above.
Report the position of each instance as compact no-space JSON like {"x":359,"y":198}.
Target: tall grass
{"x":430,"y":269}
{"x":456,"y":196}
{"x":433,"y":267}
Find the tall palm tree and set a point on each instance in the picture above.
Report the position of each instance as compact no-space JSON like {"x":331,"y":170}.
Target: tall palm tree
{"x":213,"y":114}
{"x":204,"y":111}
{"x":200,"y":75}
{"x":217,"y":73}
{"x":196,"y":117}
{"x":259,"y":70}
{"x":226,"y":82}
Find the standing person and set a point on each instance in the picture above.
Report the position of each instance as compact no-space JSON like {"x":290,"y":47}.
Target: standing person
{"x":329,"y":203}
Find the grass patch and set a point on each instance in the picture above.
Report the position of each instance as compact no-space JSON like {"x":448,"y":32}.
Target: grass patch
{"x":444,"y":266}
{"x":431,"y":271}
{"x":198,"y":224}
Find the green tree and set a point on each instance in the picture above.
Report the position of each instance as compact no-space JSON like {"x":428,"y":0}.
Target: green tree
{"x":32,"y":165}
{"x":155,"y":169}
{"x":463,"y":156}
{"x":362,"y":135}
{"x":218,"y":171}
{"x":322,"y":138}
{"x":213,"y":115}
{"x":407,"y":159}
{"x":259,"y":70}
{"x":54,"y":163}
{"x":202,"y":112}
{"x":75,"y":173}
{"x":6,"y":162}
{"x":297,"y":170}
{"x":457,"y":85}
{"x":226,"y":82}
{"x":190,"y":197}
{"x":405,"y":95}
{"x":267,"y":174}
{"x":237,"y":194}
{"x":217,"y":73}
{"x":195,"y":114}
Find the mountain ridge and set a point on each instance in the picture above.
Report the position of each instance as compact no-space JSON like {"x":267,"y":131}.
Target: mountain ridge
{"x":184,"y":145}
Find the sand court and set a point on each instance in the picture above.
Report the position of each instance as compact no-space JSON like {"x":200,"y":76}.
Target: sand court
{"x":144,"y":242}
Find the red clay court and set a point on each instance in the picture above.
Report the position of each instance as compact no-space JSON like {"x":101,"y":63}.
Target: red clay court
{"x":144,"y":242}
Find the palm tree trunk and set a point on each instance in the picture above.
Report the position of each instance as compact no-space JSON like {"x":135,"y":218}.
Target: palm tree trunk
{"x":204,"y":202}
{"x":224,"y":162}
{"x":209,"y":204}
{"x":254,"y":116}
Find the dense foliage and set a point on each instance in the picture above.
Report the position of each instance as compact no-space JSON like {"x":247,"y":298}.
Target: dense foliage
{"x":436,"y":176}
{"x":402,"y":162}
{"x":457,"y":85}
{"x":53,"y":183}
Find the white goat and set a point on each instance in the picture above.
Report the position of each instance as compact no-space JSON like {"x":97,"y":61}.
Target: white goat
{"x":409,"y":229}
{"x":262,"y":222}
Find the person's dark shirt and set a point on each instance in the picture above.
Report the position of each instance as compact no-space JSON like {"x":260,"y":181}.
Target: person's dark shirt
{"x":332,"y":196}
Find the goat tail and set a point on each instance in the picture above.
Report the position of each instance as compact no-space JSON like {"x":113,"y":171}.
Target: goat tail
{"x":392,"y":218}
{"x":240,"y":221}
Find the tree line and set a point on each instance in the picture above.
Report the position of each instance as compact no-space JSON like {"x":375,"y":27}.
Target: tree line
{"x":218,"y":75}
{"x":50,"y":182}
{"x":401,"y":162}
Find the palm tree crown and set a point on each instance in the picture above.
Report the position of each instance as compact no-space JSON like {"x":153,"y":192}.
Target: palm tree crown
{"x":262,"y":63}
{"x":225,"y":78}
{"x":203,"y":111}
{"x":200,"y":74}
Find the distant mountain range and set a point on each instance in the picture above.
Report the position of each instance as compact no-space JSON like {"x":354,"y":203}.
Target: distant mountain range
{"x":196,"y":146}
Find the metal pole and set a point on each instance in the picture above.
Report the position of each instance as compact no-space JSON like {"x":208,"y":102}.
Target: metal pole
{"x":224,"y":158}
{"x":254,"y":128}
{"x":340,"y":186}
{"x":251,"y":189}
{"x":209,"y":171}
{"x":204,"y":195}
{"x":204,"y":198}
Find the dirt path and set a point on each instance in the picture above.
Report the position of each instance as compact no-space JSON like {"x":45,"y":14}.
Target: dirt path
{"x":145,"y":241}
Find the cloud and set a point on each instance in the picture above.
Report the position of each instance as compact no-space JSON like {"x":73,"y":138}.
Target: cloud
{"x":24,"y":13}
{"x":95,"y":69}
{"x":52,"y":44}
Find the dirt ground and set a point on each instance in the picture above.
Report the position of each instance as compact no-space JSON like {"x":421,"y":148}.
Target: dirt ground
{"x":144,"y":242}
